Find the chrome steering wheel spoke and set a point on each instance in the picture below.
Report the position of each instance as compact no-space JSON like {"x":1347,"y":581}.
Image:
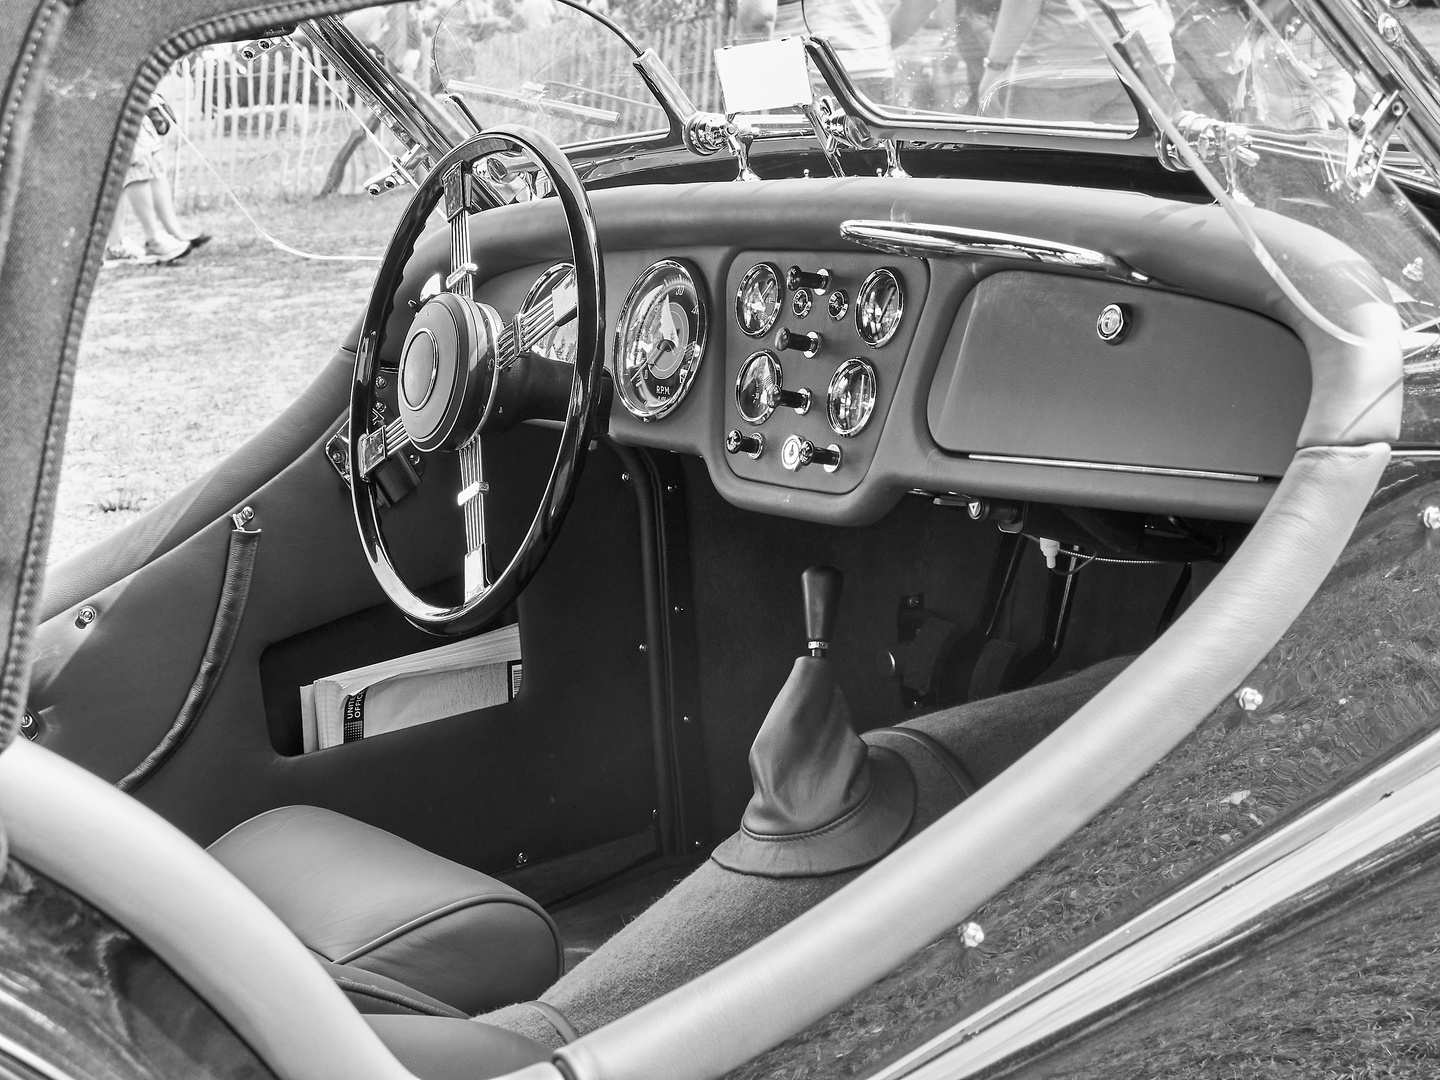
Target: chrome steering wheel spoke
{"x":464,"y":373}
{"x":473,"y":489}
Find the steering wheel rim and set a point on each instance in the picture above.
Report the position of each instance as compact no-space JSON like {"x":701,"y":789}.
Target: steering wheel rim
{"x":483,"y":379}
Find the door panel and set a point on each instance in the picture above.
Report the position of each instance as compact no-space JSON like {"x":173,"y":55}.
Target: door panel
{"x":565,"y":765}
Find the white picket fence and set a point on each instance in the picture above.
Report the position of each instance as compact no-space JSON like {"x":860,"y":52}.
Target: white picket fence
{"x":271,"y":128}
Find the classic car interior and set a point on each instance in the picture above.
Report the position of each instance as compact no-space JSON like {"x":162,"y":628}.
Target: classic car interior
{"x":965,"y":447}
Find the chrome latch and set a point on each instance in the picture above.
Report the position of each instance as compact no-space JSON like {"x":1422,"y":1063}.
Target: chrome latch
{"x":1370,"y":134}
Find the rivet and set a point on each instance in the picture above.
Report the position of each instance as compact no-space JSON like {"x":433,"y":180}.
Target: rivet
{"x":1249,"y":699}
{"x":85,"y":616}
{"x":642,"y":647}
{"x":624,"y":477}
{"x":521,"y":859}
{"x":971,"y":934}
{"x":684,"y":719}
{"x":1430,"y":517}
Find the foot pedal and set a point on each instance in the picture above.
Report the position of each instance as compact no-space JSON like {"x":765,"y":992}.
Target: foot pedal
{"x":992,"y":669}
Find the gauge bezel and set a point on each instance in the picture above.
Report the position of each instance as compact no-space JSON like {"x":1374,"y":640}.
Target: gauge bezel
{"x":643,"y":411}
{"x":852,"y":364}
{"x":866,"y":287}
{"x":745,"y":282}
{"x":768,"y":409}
{"x":548,"y":278}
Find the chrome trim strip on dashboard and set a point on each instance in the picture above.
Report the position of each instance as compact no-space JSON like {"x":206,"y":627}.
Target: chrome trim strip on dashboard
{"x":920,"y":240}
{"x":1107,"y":466}
{"x":1299,"y":863}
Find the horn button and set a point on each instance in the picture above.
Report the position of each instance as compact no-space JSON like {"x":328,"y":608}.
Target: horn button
{"x":447,"y":371}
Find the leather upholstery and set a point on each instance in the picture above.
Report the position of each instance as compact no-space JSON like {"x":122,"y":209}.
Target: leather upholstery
{"x":439,"y":1048}
{"x":824,"y":802}
{"x":365,"y":899}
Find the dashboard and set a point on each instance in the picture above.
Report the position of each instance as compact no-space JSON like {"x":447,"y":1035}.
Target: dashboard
{"x":822,"y":373}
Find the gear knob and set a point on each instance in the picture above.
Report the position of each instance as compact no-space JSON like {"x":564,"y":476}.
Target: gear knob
{"x":821,"y":585}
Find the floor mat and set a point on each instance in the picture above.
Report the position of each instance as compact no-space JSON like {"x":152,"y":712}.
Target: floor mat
{"x":588,"y":921}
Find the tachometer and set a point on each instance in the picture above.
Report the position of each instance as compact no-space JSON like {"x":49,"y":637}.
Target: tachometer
{"x":562,"y":342}
{"x":660,"y":340}
{"x":757,"y":300}
{"x":879,"y":306}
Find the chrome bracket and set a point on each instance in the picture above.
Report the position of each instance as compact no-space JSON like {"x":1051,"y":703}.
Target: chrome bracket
{"x":253,"y":50}
{"x":1212,"y":140}
{"x":1370,"y":134}
{"x":400,"y":171}
{"x":706,"y":133}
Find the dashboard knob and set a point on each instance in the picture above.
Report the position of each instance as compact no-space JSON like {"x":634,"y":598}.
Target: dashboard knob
{"x":798,"y":452}
{"x":777,"y":397}
{"x":807,"y":343}
{"x":752,"y":445}
{"x":817,"y":282}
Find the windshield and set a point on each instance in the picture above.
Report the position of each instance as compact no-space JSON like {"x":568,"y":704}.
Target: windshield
{"x":540,"y":63}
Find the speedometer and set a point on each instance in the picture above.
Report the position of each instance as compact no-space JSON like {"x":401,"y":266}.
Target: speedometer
{"x":660,"y":340}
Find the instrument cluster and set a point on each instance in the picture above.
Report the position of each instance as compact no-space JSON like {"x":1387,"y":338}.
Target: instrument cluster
{"x":822,"y":339}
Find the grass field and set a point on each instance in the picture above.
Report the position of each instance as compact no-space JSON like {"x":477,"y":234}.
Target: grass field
{"x":181,"y":362}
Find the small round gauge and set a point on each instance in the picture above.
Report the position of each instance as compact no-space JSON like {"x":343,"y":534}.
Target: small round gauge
{"x":850,"y":400}
{"x":837,"y":305}
{"x":759,"y":378}
{"x":757,"y":300}
{"x":802,"y":302}
{"x":659,"y":341}
{"x":879,"y":305}
{"x":563,"y":342}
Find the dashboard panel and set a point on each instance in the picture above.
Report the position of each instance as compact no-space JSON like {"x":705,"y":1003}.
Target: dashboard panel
{"x":832,"y":314}
{"x":998,"y":379}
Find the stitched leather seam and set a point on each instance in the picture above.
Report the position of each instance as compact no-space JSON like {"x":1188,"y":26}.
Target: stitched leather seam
{"x":440,"y":913}
{"x":838,"y":823}
{"x":381,"y":994}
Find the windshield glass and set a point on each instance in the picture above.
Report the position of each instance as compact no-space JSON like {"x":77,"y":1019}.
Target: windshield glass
{"x":534,"y":62}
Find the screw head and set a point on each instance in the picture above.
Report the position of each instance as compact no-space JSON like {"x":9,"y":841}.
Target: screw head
{"x":1389,"y":28}
{"x":521,"y":859}
{"x":972,"y":934}
{"x":85,"y":616}
{"x":1249,"y":699}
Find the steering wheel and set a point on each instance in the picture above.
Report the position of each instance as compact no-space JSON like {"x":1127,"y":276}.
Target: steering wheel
{"x":465,"y":372}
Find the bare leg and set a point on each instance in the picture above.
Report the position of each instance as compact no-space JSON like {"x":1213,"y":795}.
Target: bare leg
{"x":141,"y":197}
{"x":165,"y":208}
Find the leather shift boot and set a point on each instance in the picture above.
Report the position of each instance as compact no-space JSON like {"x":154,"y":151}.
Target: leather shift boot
{"x":824,"y":801}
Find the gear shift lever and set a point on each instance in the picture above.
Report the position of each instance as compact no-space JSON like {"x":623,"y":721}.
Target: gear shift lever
{"x":821,"y":586}
{"x":824,"y":800}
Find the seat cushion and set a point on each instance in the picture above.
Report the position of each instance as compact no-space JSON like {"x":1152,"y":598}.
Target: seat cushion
{"x":436,"y":1048}
{"x":364,"y":898}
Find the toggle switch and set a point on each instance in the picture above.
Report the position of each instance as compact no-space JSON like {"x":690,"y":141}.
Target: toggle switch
{"x":807,"y":343}
{"x":777,"y":397}
{"x":752,"y":445}
{"x":817,"y":282}
{"x":799,"y":452}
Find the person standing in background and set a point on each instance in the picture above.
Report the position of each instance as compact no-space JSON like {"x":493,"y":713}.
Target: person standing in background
{"x":1043,"y":63}
{"x":147,"y":193}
